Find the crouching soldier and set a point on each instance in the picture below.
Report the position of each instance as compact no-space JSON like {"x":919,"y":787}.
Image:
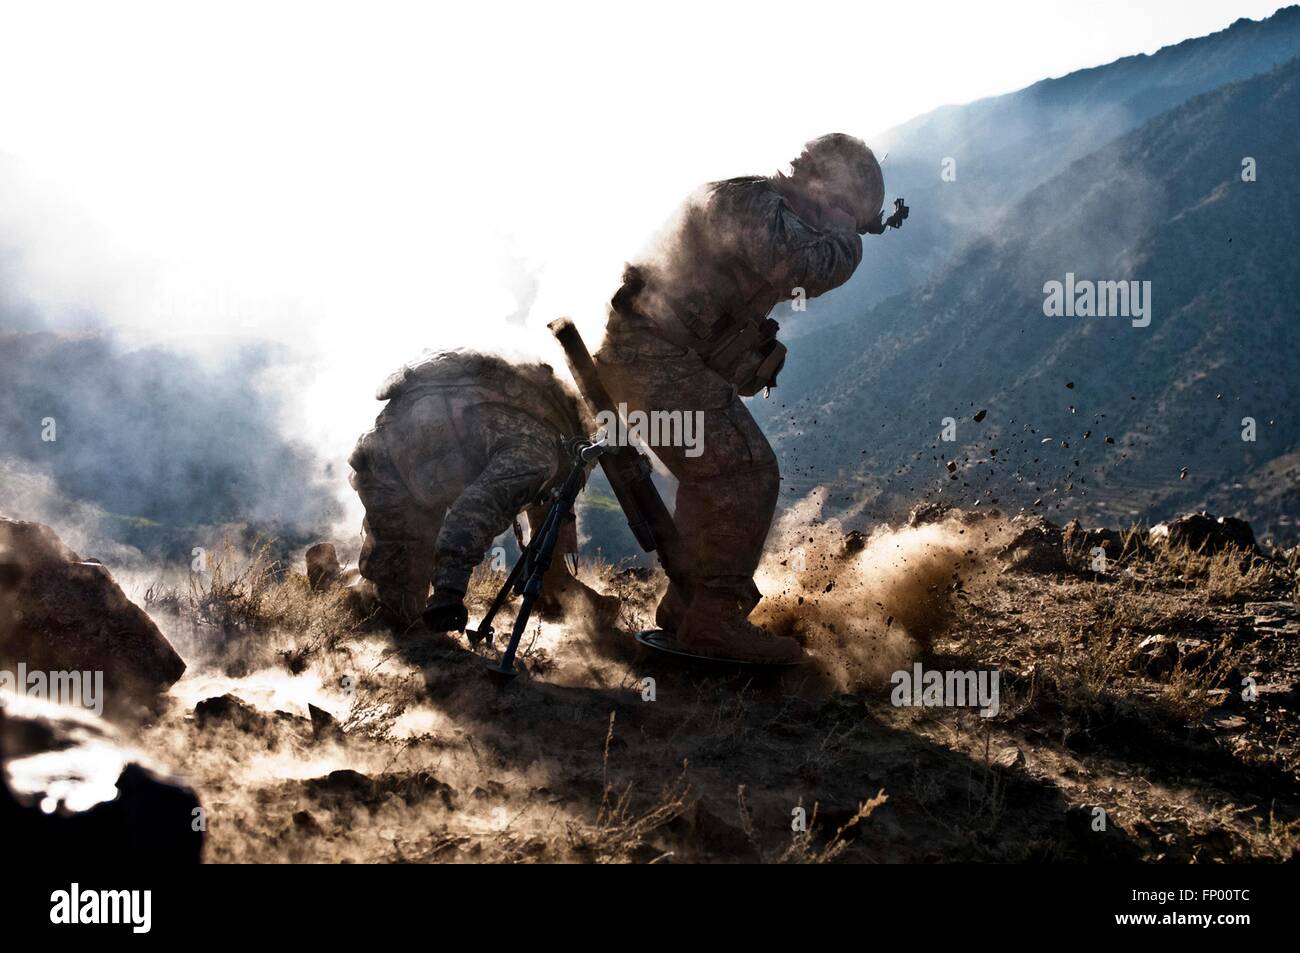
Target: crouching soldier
{"x":466,"y":442}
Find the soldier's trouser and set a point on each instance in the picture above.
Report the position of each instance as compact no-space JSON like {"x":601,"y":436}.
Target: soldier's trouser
{"x":397,"y":548}
{"x":726,"y":494}
{"x":440,"y":533}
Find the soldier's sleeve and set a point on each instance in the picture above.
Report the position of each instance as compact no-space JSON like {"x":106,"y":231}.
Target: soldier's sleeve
{"x":789,"y":253}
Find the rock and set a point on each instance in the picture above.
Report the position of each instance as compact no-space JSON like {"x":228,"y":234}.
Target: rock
{"x":923,"y":514}
{"x":1073,"y":535}
{"x":1080,"y":542}
{"x":232,"y":710}
{"x":701,"y":826}
{"x":60,"y":613}
{"x":322,"y":565}
{"x":305,"y":823}
{"x":323,"y":724}
{"x":849,"y":703}
{"x":324,"y":571}
{"x":1226,"y":721}
{"x":1011,"y":757}
{"x":1161,"y":653}
{"x":71,"y":788}
{"x":343,"y":783}
{"x":418,"y":787}
{"x":1282,"y":694}
{"x":1205,"y":533}
{"x":1271,"y":622}
{"x":348,"y":788}
{"x":1038,"y":546}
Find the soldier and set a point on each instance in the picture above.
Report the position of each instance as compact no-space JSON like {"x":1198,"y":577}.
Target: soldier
{"x":466,"y":442}
{"x":688,"y":331}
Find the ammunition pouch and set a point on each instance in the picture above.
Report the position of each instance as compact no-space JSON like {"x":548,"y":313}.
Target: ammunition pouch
{"x":748,"y":354}
{"x":741,"y":349}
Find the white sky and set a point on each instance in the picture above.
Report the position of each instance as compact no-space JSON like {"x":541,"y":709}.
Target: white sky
{"x":368,"y":179}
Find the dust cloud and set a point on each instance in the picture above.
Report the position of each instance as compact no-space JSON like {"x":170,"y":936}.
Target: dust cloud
{"x":866,"y":606}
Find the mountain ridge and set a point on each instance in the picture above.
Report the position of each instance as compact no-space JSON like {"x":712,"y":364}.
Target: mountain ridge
{"x":1005,"y":145}
{"x":1164,"y":203}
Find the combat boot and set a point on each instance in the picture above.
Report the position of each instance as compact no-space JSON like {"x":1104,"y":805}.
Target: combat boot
{"x":714,"y":628}
{"x":445,"y":611}
{"x":671,"y":610}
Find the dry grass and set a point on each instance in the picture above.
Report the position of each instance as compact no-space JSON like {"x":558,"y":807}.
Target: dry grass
{"x":803,"y":848}
{"x":1189,"y":693}
{"x":1096,"y":663}
{"x":1226,"y":576}
{"x":619,"y":832}
{"x":1097,"y":660}
{"x":1276,"y":839}
{"x":484,"y":582}
{"x":257,"y":593}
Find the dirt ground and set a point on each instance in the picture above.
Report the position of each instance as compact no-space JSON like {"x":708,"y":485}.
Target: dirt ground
{"x":1147,"y":712}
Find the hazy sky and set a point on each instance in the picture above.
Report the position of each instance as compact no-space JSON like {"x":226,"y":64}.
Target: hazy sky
{"x":371,"y":178}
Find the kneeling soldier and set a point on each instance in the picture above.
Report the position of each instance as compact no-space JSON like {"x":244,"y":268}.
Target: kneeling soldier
{"x":466,"y":442}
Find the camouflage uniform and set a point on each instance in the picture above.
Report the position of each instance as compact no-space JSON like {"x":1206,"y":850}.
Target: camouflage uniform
{"x":466,"y":442}
{"x":734,"y":251}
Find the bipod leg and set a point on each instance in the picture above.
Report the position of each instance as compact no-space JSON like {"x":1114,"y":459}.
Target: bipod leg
{"x":485,"y":630}
{"x":504,"y":671}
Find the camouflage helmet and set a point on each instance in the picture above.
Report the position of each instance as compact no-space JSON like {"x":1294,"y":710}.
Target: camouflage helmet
{"x":843,"y":167}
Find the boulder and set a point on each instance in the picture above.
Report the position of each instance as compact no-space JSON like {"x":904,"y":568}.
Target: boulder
{"x":61,"y":613}
{"x":323,"y":724}
{"x":1010,"y":757}
{"x":1076,"y":537}
{"x":231,"y":710}
{"x":1159,"y":654}
{"x":1036,"y":546}
{"x":1079,"y":543}
{"x":1205,"y":533}
{"x":324,"y":571}
{"x":322,"y":565}
{"x":71,"y":788}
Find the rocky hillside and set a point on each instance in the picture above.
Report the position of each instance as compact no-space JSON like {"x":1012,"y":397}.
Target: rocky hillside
{"x":1144,"y":710}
